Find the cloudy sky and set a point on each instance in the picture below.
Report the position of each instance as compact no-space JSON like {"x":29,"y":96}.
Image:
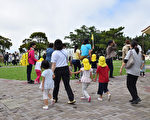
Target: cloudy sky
{"x":20,"y":18}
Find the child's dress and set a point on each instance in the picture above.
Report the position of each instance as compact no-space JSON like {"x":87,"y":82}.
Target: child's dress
{"x":38,"y":72}
{"x":48,"y":83}
{"x":86,"y":81}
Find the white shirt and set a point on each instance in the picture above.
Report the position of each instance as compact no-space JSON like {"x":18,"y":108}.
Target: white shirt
{"x":86,"y":75}
{"x":49,"y":82}
{"x":60,"y":58}
{"x":38,"y":65}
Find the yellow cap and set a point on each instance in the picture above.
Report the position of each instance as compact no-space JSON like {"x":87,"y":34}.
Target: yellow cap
{"x":40,"y":60}
{"x":102,"y":61}
{"x":93,"y":58}
{"x":86,"y":64}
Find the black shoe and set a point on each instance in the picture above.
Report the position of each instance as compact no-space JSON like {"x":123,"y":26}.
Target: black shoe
{"x":31,"y":82}
{"x":111,"y":77}
{"x":136,"y":101}
{"x":131,"y":100}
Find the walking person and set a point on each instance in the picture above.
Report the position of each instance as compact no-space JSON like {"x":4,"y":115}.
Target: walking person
{"x":31,"y":60}
{"x":94,"y":63}
{"x":76,"y":61}
{"x":103,"y":73}
{"x":86,"y":78}
{"x":60,"y":68}
{"x":133,"y":72}
{"x":143,"y":68}
{"x":47,"y":84}
{"x":38,"y":70}
{"x":49,"y":52}
{"x":110,"y":53}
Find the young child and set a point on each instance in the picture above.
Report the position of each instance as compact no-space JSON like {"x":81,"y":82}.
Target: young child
{"x":47,"y":84}
{"x":86,"y":78}
{"x":38,"y":70}
{"x":94,"y":63}
{"x":142,"y":72}
{"x":103,"y":72}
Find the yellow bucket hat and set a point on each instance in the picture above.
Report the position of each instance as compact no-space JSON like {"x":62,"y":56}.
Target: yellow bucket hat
{"x":93,"y":59}
{"x":86,"y":64}
{"x":40,"y":60}
{"x":102,"y":61}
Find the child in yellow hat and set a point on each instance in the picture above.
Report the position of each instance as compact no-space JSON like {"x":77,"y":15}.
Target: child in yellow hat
{"x":94,"y":63}
{"x":86,"y":78}
{"x":38,"y":70}
{"x":103,"y":72}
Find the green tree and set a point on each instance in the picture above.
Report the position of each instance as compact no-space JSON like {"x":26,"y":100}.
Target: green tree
{"x":39,"y":38}
{"x":5,"y":43}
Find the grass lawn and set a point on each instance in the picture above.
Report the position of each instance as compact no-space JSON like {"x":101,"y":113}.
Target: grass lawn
{"x":19,"y":73}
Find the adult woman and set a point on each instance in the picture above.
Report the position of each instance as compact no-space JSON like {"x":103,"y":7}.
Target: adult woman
{"x":49,"y":52}
{"x":60,"y":68}
{"x":125,"y":49}
{"x":31,"y":60}
{"x":110,"y":52}
{"x":86,"y":50}
{"x":133,"y":72}
{"x":76,"y":61}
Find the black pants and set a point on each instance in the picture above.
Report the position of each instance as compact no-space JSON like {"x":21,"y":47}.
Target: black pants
{"x":110,"y":65}
{"x":62,"y":72}
{"x":102,"y":88}
{"x":131,"y":85}
{"x":29,"y":70}
{"x":77,"y":65}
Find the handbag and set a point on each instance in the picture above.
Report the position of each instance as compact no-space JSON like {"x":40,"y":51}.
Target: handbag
{"x":130,"y":62}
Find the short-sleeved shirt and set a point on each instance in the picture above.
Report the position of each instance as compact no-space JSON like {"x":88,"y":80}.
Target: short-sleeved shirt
{"x":49,"y":52}
{"x":60,"y":58}
{"x":85,"y":49}
{"x":103,"y":74}
{"x":86,"y":75}
{"x":38,"y":66}
{"x":94,"y":64}
{"x":75,"y":55}
{"x":49,"y":82}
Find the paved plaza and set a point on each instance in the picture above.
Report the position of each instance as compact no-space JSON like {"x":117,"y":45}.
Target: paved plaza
{"x":21,"y":101}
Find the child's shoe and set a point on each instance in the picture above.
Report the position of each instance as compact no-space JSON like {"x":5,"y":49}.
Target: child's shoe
{"x":109,"y":97}
{"x":52,"y":101}
{"x":89,"y":99}
{"x":100,"y":99}
{"x":83,"y":98}
{"x":45,"y":107}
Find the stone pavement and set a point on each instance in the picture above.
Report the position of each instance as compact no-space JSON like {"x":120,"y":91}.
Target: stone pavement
{"x":20,"y":101}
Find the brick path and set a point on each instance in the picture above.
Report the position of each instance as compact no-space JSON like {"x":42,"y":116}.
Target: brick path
{"x":20,"y":101}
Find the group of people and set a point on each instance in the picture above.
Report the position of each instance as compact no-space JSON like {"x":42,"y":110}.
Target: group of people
{"x":55,"y":68}
{"x":11,"y":58}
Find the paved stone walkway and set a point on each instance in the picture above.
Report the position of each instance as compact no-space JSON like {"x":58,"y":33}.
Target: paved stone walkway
{"x":20,"y":101}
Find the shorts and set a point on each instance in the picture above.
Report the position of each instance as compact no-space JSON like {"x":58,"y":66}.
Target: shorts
{"x":45,"y":93}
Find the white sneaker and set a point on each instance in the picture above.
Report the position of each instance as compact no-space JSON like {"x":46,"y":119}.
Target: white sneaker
{"x":109,"y":97}
{"x":100,"y":99}
{"x":45,"y":107}
{"x":52,"y":101}
{"x":83,"y":98}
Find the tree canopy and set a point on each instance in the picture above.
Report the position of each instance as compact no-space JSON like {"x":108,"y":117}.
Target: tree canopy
{"x":39,"y":38}
{"x":5,"y":43}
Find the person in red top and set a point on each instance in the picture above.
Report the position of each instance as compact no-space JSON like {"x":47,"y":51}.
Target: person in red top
{"x":103,"y":72}
{"x":31,"y":60}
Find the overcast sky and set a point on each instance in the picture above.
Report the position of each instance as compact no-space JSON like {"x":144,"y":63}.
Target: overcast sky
{"x":20,"y":18}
